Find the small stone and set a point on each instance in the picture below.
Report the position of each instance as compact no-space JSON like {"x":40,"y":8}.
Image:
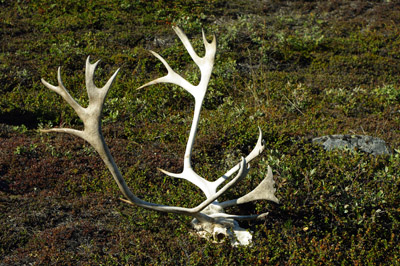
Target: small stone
{"x":368,"y":144}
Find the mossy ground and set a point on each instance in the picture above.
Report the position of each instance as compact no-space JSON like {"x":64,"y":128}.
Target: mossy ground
{"x":297,"y":69}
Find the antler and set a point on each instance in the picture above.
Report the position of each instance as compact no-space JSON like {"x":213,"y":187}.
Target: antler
{"x":205,"y":65}
{"x":264,"y":191}
{"x":210,"y":211}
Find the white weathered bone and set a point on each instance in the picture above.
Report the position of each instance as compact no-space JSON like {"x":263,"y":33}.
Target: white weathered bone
{"x":264,"y":191}
{"x":209,"y":216}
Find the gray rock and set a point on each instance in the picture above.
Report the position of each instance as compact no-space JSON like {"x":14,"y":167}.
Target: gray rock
{"x":375,"y":146}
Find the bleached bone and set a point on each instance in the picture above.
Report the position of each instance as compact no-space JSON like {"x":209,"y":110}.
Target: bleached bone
{"x":209,"y":216}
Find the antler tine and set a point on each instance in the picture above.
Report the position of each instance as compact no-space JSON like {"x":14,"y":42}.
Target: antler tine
{"x":184,"y":39}
{"x":264,"y":191}
{"x":63,"y":92}
{"x":258,"y":148}
{"x":72,"y":131}
{"x":239,"y":217}
{"x":89,"y":72}
{"x":96,"y":95}
{"x":171,"y":77}
{"x":210,"y":46}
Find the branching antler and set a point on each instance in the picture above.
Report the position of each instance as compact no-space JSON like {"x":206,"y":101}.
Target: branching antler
{"x":205,"y":64}
{"x":210,"y":211}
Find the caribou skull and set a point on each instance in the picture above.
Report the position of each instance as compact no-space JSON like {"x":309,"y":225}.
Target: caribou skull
{"x":209,"y":217}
